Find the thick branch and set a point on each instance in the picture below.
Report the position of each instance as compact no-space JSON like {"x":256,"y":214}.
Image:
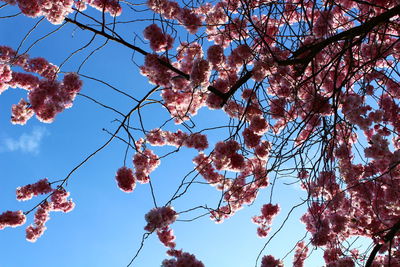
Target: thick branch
{"x":313,"y":49}
{"x":346,"y":35}
{"x":387,"y":238}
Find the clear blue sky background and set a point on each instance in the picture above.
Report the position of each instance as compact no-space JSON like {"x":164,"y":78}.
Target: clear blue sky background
{"x":106,"y":226}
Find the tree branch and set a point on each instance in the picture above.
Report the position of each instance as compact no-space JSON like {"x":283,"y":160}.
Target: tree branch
{"x":387,"y":238}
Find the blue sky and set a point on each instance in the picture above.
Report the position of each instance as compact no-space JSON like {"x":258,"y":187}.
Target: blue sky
{"x":106,"y":226}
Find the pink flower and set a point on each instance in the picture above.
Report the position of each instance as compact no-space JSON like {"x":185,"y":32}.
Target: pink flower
{"x":166,"y":236}
{"x":125,"y":179}
{"x":300,"y":254}
{"x":200,"y":72}
{"x":159,"y":41}
{"x":28,"y":191}
{"x":12,"y":219}
{"x":250,"y":138}
{"x":145,"y":163}
{"x":36,"y":230}
{"x":270,"y":261}
{"x":21,"y":112}
{"x":182,"y":259}
{"x":159,"y":218}
{"x":268,"y":212}
{"x":59,"y":201}
{"x":215,"y":54}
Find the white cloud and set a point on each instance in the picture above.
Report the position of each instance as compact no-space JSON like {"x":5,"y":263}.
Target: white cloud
{"x":27,"y":142}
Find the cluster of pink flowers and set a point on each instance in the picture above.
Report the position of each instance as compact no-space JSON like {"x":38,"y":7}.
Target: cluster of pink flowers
{"x":125,"y":179}
{"x":270,"y":261}
{"x":56,"y":11}
{"x":167,"y":237}
{"x":215,"y":55}
{"x":156,"y":72}
{"x":225,"y":156}
{"x":159,"y":218}
{"x":47,"y":97}
{"x":300,"y":254}
{"x":28,"y":191}
{"x":268,"y":212}
{"x":145,"y":162}
{"x":5,"y":76}
{"x":200,"y":73}
{"x":158,"y":137}
{"x":21,"y":112}
{"x":171,"y":10}
{"x":187,"y":54}
{"x":12,"y":219}
{"x":205,"y":167}
{"x":182,"y":104}
{"x":240,"y":55}
{"x":159,"y":41}
{"x":52,"y":97}
{"x":59,"y":202}
{"x":181,"y":259}
{"x":40,"y":66}
{"x":36,"y":230}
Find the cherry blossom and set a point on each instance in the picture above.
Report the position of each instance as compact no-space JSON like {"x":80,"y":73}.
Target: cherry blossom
{"x":125,"y":179}
{"x":28,"y":191}
{"x":159,"y":218}
{"x":12,"y":219}
{"x":309,"y":93}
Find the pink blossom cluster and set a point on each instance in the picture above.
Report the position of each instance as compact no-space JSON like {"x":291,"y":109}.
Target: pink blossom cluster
{"x":171,"y":10}
{"x":251,"y":139}
{"x":205,"y":167}
{"x":183,"y":103}
{"x":28,"y":191}
{"x":158,"y":137}
{"x":145,"y":162}
{"x":47,"y":97}
{"x":159,"y":218}
{"x":36,"y":230}
{"x":225,"y":156}
{"x":12,"y":219}
{"x":200,"y":73}
{"x":240,"y":55}
{"x":52,"y":97}
{"x":300,"y":254}
{"x":182,"y":259}
{"x":215,"y":55}
{"x":239,"y":191}
{"x":59,"y":202}
{"x":56,"y":11}
{"x":125,"y":179}
{"x":268,"y":212}
{"x":21,"y":112}
{"x":5,"y":77}
{"x":9,"y":57}
{"x":324,"y":186}
{"x":187,"y":54}
{"x":159,"y":41}
{"x":156,"y":72}
{"x":167,"y":237}
{"x":355,"y":111}
{"x":270,"y":261}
